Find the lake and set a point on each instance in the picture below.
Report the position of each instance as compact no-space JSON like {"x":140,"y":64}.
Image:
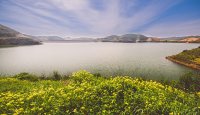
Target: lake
{"x":135,"y":59}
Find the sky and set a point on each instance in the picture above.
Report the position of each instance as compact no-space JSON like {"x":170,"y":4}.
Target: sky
{"x":99,"y":18}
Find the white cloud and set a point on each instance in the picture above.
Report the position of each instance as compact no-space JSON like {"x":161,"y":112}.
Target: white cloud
{"x":79,"y":18}
{"x":109,"y":20}
{"x":96,"y":21}
{"x":72,"y":5}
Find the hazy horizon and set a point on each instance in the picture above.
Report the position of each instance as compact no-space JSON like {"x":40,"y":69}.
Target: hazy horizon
{"x":100,"y":18}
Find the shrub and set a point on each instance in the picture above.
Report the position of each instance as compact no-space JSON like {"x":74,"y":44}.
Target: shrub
{"x":185,"y":50}
{"x":97,"y":74}
{"x":190,"y":82}
{"x":56,"y":76}
{"x":85,"y":93}
{"x":82,"y":76}
{"x":65,"y":77}
{"x":26,"y":76}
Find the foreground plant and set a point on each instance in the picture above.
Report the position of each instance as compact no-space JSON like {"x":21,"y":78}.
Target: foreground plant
{"x":84,"y":93}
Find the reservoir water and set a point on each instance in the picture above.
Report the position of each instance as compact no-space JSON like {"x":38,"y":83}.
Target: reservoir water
{"x":135,"y":59}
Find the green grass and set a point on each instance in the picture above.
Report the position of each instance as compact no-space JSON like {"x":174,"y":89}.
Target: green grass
{"x":85,"y":93}
{"x":197,"y":60}
{"x":188,"y":56}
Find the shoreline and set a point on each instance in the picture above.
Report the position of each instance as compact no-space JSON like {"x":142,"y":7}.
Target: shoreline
{"x":193,"y":66}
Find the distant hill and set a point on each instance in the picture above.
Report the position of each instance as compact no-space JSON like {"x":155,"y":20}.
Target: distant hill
{"x":10,"y":36}
{"x":127,"y":38}
{"x":184,"y":39}
{"x":48,"y":38}
{"x":83,"y":39}
{"x":191,"y":39}
{"x":7,"y":32}
{"x":172,"y":38}
{"x":152,"y":39}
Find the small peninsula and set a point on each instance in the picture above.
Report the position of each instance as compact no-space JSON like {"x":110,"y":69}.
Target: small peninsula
{"x":189,"y":58}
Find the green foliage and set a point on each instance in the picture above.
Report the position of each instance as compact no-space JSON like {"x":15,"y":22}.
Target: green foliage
{"x":97,"y":74}
{"x":82,"y":76}
{"x":26,"y":76}
{"x":189,"y":82}
{"x":56,"y":76}
{"x":188,"y":56}
{"x":85,"y":93}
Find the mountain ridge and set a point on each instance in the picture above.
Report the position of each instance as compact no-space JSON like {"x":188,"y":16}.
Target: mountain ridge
{"x":126,"y":38}
{"x":9,"y":36}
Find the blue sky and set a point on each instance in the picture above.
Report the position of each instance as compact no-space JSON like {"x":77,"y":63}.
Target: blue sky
{"x":98,"y":18}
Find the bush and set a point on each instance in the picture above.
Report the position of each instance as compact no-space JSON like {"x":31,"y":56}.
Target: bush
{"x":82,"y":76}
{"x":97,"y":74}
{"x":185,"y":50}
{"x":85,"y":93}
{"x":56,"y":76}
{"x":65,"y":77}
{"x":189,"y":82}
{"x":26,"y":76}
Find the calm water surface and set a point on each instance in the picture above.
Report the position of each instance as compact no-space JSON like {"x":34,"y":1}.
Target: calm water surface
{"x":136,"y":59}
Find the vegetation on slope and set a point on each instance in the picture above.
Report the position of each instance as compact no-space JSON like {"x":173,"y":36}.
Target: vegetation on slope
{"x":85,"y":93}
{"x":190,"y":58}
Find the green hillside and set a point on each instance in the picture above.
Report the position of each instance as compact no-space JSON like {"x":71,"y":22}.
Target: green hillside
{"x":190,"y":58}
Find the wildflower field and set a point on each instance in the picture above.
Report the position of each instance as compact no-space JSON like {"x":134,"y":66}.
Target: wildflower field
{"x":85,"y":93}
